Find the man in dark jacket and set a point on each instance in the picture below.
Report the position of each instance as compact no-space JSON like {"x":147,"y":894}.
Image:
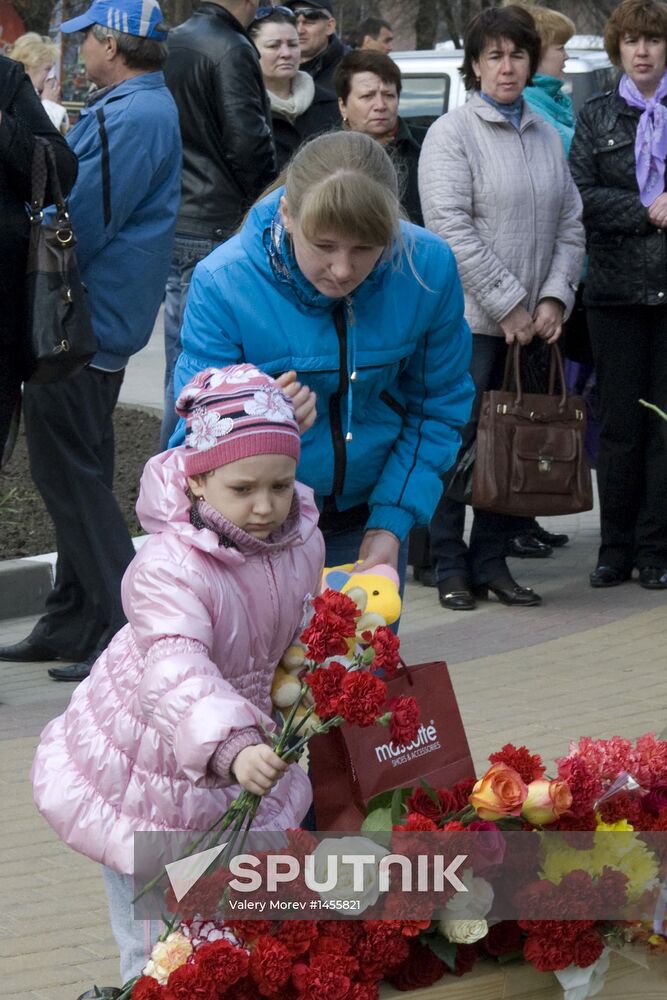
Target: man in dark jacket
{"x":123,"y":209}
{"x":22,"y":117}
{"x":228,"y":154}
{"x":321,"y":48}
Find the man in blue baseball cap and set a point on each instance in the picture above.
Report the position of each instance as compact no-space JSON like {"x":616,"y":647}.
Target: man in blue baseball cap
{"x":139,"y":18}
{"x":123,"y":208}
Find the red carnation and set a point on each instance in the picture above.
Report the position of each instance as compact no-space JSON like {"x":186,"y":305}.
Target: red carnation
{"x":363,"y":695}
{"x":333,"y":623}
{"x":363,"y":991}
{"x":189,"y":982}
{"x":454,"y":825}
{"x":386,"y":646}
{"x":404,"y":722}
{"x":326,"y":686}
{"x":225,"y":962}
{"x":321,"y":980}
{"x":420,"y":969}
{"x":248,"y":930}
{"x":416,"y":822}
{"x":587,"y":948}
{"x":270,"y":965}
{"x":297,"y":935}
{"x":147,"y":988}
{"x":528,"y":766}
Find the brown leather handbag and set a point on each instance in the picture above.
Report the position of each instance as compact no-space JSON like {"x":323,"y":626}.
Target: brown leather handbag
{"x":530,"y":457}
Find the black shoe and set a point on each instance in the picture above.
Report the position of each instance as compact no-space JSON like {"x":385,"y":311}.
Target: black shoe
{"x":653,"y":577}
{"x":608,"y":576}
{"x":454,"y":593}
{"x":548,"y":538}
{"x":28,"y":651}
{"x":74,"y":672}
{"x":509,"y":592}
{"x":528,"y":547}
{"x":427,"y":577}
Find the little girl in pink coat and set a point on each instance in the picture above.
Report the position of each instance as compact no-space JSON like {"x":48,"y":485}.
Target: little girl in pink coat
{"x":170,"y":721}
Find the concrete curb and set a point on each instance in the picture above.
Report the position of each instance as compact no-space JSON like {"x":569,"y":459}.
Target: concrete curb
{"x":24,"y":586}
{"x":26,"y":583}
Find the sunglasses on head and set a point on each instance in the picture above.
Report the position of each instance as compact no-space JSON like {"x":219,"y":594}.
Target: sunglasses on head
{"x":312,"y":14}
{"x":263,"y":12}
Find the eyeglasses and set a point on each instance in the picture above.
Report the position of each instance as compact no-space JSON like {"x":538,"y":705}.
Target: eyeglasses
{"x":312,"y":14}
{"x":263,"y":12}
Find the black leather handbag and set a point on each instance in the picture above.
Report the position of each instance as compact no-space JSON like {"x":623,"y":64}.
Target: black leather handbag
{"x":60,"y":338}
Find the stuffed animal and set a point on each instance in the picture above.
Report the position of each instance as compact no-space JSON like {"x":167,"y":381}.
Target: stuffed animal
{"x":374,"y":591}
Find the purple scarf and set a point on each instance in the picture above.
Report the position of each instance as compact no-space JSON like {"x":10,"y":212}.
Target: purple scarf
{"x":651,"y":141}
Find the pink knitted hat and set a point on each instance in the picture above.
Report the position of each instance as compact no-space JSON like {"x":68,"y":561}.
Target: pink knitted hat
{"x":233,"y":413}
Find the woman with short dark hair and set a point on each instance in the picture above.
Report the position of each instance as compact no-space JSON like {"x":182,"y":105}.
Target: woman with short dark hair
{"x":495,"y":184}
{"x":368,"y":86}
{"x":618,"y":162}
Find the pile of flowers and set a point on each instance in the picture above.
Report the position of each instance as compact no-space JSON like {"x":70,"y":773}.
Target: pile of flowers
{"x":601,"y":786}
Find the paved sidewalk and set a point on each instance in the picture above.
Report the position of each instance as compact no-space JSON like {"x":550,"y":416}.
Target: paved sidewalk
{"x":586,"y":663}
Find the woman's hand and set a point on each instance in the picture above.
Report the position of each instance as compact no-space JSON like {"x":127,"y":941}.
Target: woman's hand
{"x":258,"y":768}
{"x":657,"y":211}
{"x":51,"y":89}
{"x":518,"y":326}
{"x":379,"y":547}
{"x":548,"y":317}
{"x":303,"y":399}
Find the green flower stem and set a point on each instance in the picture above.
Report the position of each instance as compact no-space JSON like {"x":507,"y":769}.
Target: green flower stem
{"x":656,"y":409}
{"x":286,"y":733}
{"x":324,"y":728}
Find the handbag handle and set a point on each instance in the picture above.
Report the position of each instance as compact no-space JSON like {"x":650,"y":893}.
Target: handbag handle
{"x":513,"y":363}
{"x":44,"y":169}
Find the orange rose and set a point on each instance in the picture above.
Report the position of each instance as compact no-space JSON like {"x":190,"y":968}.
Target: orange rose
{"x":501,"y":792}
{"x":546,"y":801}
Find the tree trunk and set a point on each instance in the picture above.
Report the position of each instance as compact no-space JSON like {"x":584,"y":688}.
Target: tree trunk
{"x":449,"y":14}
{"x":426,"y":24}
{"x":36,"y":14}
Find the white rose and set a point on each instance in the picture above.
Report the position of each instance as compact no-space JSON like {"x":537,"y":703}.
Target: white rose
{"x":470,"y":905}
{"x":463,"y":931}
{"x":327,"y":858}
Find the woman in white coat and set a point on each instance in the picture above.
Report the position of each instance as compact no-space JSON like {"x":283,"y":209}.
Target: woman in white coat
{"x":495,"y":184}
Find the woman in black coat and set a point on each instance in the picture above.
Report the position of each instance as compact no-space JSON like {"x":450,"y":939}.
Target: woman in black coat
{"x":22,"y":117}
{"x":622,"y":185}
{"x":300,"y":109}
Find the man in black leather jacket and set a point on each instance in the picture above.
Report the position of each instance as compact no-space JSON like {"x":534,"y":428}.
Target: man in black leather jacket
{"x":228,"y":154}
{"x":321,"y":48}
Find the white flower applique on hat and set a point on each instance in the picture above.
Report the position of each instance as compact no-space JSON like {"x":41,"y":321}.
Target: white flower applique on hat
{"x":235,"y":375}
{"x":206,"y":427}
{"x":271,"y":404}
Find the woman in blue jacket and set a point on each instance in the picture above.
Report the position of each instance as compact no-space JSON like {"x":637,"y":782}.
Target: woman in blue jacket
{"x":326,"y":280}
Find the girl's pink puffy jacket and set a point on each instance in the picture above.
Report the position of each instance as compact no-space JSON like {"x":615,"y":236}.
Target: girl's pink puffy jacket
{"x":191,"y":671}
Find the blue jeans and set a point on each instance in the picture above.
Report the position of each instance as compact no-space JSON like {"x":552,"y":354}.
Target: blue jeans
{"x":135,"y":938}
{"x":484,"y":559}
{"x":187,"y":253}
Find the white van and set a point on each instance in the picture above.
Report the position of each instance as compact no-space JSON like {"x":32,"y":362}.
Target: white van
{"x":432,"y":84}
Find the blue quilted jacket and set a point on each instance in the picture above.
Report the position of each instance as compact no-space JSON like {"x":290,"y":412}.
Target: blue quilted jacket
{"x":389,"y":363}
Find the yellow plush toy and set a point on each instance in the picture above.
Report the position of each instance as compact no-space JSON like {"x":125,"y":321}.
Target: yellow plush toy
{"x":374,"y":591}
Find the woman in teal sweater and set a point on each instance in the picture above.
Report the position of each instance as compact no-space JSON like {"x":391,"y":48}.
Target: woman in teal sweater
{"x":545,"y":95}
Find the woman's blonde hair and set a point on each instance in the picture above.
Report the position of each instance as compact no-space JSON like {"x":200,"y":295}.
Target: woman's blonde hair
{"x":34,"y":51}
{"x":553,"y":27}
{"x":344,"y":182}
